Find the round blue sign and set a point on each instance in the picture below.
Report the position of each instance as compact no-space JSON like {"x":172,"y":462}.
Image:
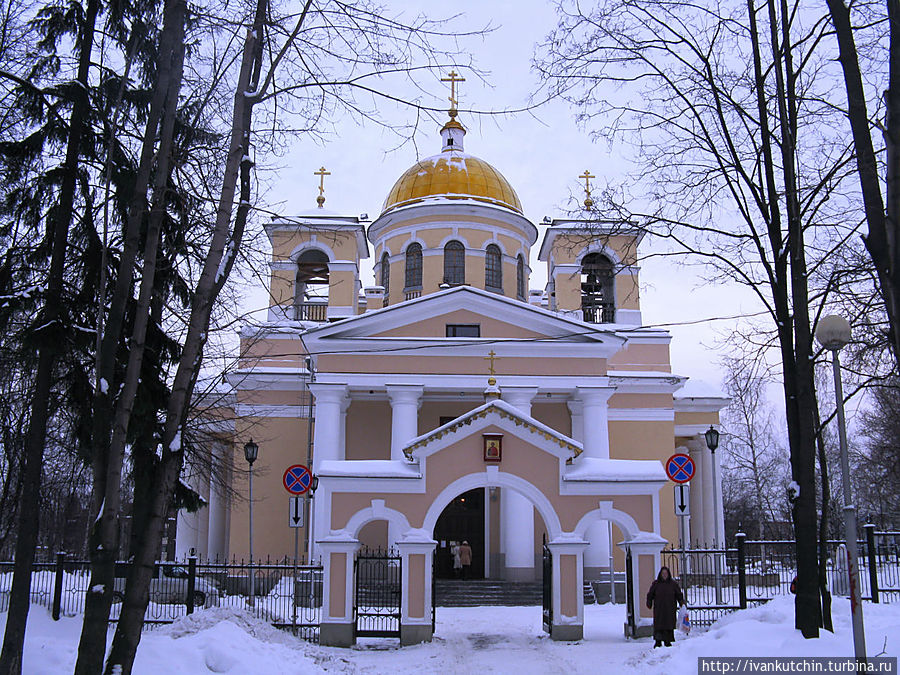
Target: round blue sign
{"x":680,"y":468}
{"x":297,"y":479}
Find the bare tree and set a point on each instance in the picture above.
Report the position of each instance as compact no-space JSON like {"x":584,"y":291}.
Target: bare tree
{"x":741,"y":166}
{"x":754,"y":464}
{"x":883,"y":238}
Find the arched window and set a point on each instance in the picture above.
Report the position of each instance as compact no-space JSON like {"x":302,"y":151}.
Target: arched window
{"x":598,"y":303}
{"x":386,"y":276}
{"x":311,"y":286}
{"x":493,"y":268}
{"x":454,"y":263}
{"x":414,"y":266}
{"x":520,"y":277}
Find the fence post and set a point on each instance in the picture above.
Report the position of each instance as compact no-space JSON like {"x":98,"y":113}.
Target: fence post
{"x":192,"y":577}
{"x":873,"y":560}
{"x":742,"y":569}
{"x":58,"y":584}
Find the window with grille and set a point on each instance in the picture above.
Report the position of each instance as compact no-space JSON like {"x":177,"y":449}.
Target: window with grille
{"x":454,"y":263}
{"x":414,"y":266}
{"x":386,"y":276}
{"x":597,"y":289}
{"x":463,"y":330}
{"x":493,"y":268}
{"x":520,"y":277}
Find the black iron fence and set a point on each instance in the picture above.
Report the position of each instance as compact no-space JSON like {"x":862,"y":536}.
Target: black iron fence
{"x":286,"y":595}
{"x":376,"y":605}
{"x":718,"y":581}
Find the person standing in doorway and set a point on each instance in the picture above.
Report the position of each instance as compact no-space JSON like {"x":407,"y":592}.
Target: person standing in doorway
{"x":457,"y":565}
{"x":663,"y":598}
{"x":465,"y":558}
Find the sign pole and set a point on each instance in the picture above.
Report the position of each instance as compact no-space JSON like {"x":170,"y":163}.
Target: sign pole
{"x":294,"y":594}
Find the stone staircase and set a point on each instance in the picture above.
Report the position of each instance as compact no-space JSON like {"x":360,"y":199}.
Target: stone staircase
{"x":481,"y":592}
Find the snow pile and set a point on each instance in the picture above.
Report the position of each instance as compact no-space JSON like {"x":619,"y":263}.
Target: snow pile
{"x":200,"y":621}
{"x":482,"y":640}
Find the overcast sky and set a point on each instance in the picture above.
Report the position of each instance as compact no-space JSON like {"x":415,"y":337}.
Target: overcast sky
{"x":540,"y":153}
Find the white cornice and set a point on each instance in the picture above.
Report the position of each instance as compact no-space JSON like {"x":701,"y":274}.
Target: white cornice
{"x":641,"y":414}
{"x":455,"y":212}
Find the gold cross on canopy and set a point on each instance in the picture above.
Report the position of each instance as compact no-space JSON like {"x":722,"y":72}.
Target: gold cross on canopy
{"x":321,"y":173}
{"x":453,"y":78}
{"x":588,"y":202}
{"x":492,"y":356}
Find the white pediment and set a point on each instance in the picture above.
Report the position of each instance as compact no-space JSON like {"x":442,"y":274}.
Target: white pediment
{"x":400,"y":326}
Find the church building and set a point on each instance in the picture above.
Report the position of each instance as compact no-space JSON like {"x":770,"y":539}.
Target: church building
{"x":452,"y":401}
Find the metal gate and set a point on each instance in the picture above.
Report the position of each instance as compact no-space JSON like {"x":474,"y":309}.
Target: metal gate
{"x":548,"y":589}
{"x":376,"y":605}
{"x":631,"y":623}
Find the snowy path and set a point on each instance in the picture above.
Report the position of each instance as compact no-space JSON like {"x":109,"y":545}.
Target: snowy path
{"x":479,"y":640}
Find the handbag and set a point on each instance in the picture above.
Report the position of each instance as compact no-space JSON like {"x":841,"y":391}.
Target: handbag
{"x":684,"y":620}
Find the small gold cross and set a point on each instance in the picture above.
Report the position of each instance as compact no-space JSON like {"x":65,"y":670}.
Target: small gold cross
{"x":492,"y":356}
{"x":453,"y":78}
{"x":587,"y":188}
{"x":321,"y":173}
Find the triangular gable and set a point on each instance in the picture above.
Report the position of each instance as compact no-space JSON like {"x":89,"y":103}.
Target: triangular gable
{"x":497,"y":413}
{"x":536,"y":321}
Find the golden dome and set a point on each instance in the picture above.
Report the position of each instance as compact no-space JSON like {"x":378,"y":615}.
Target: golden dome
{"x":454,"y":175}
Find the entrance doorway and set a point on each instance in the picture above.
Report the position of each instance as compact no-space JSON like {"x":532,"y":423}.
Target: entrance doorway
{"x":462,"y":520}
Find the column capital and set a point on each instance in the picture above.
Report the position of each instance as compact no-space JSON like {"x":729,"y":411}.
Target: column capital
{"x":328,"y":392}
{"x":405,"y":393}
{"x":575,"y":406}
{"x":339,"y":542}
{"x":594,"y":395}
{"x":567,"y":546}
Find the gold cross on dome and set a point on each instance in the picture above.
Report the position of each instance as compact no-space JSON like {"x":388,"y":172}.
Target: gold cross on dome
{"x":453,"y":78}
{"x":492,"y":356}
{"x":321,"y":173}
{"x":587,"y":175}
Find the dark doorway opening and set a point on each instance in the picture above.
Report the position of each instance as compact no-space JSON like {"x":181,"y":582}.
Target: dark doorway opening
{"x":462,"y":520}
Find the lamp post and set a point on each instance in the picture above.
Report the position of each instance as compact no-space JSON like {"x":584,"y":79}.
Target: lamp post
{"x":712,"y":442}
{"x":251,"y":452}
{"x":833,"y":332}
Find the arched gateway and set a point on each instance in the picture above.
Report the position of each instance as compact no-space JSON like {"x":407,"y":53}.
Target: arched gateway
{"x":569,"y":492}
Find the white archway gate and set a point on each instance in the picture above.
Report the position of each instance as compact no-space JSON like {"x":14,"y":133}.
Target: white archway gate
{"x":569,"y":492}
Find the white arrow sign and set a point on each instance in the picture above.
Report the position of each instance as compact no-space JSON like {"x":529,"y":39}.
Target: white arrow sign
{"x":295,"y":513}
{"x":682,"y":500}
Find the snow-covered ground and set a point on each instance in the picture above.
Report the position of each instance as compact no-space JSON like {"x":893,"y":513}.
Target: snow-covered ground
{"x":468,"y":640}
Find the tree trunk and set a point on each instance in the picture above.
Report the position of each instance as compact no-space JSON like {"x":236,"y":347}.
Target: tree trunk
{"x":216,"y":268}
{"x":49,"y":335}
{"x":105,"y":542}
{"x":823,"y":529}
{"x":882,"y":241}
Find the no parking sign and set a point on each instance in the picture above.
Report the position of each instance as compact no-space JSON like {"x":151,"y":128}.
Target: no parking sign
{"x":680,"y":468}
{"x":297,"y":479}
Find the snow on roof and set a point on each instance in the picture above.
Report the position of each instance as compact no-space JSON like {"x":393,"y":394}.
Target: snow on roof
{"x":695,"y":388}
{"x":368,"y":468}
{"x":617,"y":470}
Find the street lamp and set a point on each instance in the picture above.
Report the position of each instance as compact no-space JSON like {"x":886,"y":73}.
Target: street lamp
{"x":712,"y":442}
{"x":251,"y":452}
{"x":833,"y":333}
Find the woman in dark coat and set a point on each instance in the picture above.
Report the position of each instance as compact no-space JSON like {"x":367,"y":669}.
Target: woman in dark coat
{"x":664,"y":597}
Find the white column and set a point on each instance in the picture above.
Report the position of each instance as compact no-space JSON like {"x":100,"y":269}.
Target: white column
{"x":186,"y":533}
{"x":516,"y":511}
{"x":517,"y":531}
{"x":405,"y":401}
{"x":576,"y":409}
{"x":595,"y":420}
{"x":520,"y":397}
{"x":327,"y":430}
{"x":216,"y":536}
{"x":719,"y":515}
{"x":706,"y":486}
{"x":697,"y":484}
{"x":342,"y":428}
{"x":597,"y":554}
